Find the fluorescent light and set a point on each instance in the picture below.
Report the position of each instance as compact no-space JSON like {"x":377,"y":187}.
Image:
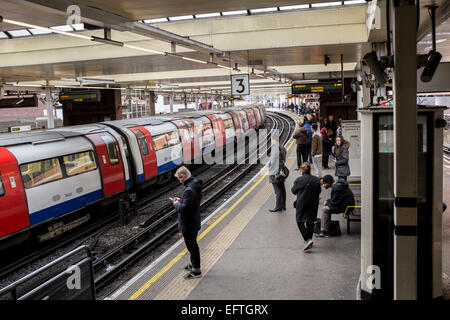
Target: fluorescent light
{"x":194,"y":60}
{"x":156,"y":20}
{"x":301,"y":6}
{"x":181,"y":18}
{"x":224,"y":67}
{"x":3,"y":35}
{"x":62,"y":28}
{"x":354,"y":2}
{"x":19,"y":33}
{"x":39,"y":31}
{"x":264,"y":10}
{"x":208,"y":15}
{"x":326,"y":4}
{"x":144,"y":49}
{"x":230,"y":13}
{"x":32,"y":26}
{"x":78,"y":26}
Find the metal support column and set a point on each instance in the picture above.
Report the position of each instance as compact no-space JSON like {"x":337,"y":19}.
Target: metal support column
{"x":48,"y":102}
{"x":405,"y":150}
{"x":151,"y":102}
{"x":171,"y":102}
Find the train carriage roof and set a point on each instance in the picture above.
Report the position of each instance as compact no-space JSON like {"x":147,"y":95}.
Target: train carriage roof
{"x":33,"y":137}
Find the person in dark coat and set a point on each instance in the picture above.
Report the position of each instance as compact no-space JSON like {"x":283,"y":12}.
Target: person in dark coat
{"x":307,"y":188}
{"x":188,"y":208}
{"x":326,"y":148}
{"x":301,"y":139}
{"x":341,"y":197}
{"x":276,"y":164}
{"x":340,"y":152}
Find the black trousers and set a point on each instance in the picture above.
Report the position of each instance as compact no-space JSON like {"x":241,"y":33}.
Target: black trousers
{"x":306,"y":231}
{"x":280,"y":193}
{"x":325,"y":160}
{"x":301,"y":154}
{"x":190,"y":239}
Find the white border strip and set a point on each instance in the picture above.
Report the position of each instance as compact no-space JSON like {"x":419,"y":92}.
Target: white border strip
{"x":138,"y":276}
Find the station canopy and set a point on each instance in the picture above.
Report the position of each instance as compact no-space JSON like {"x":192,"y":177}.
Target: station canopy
{"x":194,"y":45}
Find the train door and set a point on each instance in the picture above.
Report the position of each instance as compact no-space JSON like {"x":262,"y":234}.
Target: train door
{"x":219,"y":130}
{"x":110,"y":162}
{"x":237,"y":125}
{"x":257,"y":116}
{"x":251,"y":118}
{"x":186,"y":139}
{"x":147,"y":152}
{"x":195,"y":143}
{"x":13,"y":203}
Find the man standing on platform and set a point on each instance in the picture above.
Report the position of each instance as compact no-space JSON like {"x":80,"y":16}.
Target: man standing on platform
{"x":188,"y":208}
{"x":301,"y":137}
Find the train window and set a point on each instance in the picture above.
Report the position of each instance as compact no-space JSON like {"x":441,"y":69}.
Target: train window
{"x":79,"y":163}
{"x":228,"y":123}
{"x":112,"y":150}
{"x":207,"y":130}
{"x":2,"y":189}
{"x":160,"y":142}
{"x":40,"y":172}
{"x":142,"y":141}
{"x":172,"y":138}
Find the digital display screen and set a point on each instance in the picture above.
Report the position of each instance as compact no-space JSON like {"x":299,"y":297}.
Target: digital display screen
{"x":19,"y":102}
{"x":324,"y":87}
{"x":80,"y":96}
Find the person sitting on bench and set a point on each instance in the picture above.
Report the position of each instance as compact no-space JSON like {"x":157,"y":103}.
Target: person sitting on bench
{"x":341,"y":197}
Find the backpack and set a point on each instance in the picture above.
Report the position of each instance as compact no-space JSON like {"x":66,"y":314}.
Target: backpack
{"x":334,"y":228}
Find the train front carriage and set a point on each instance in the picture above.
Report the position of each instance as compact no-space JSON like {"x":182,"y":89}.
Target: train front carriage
{"x":59,"y":175}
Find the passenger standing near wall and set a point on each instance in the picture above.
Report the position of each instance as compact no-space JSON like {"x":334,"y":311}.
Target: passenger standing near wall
{"x":188,"y":208}
{"x":307,"y":188}
{"x":326,"y":148}
{"x":316,"y":149}
{"x":340,"y":152}
{"x":307,"y":126}
{"x":278,"y":174}
{"x":301,"y":137}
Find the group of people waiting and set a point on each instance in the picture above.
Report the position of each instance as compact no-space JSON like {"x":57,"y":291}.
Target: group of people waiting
{"x":312,"y":145}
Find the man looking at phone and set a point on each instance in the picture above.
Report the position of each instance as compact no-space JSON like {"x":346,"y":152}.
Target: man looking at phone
{"x":188,"y":208}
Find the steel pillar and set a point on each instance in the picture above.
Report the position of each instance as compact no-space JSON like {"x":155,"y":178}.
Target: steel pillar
{"x":405,"y":150}
{"x":48,"y":102}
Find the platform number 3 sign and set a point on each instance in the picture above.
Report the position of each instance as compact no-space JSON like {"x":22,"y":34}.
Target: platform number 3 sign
{"x":240,"y":85}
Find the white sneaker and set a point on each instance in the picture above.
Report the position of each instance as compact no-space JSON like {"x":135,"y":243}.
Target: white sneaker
{"x":308,"y":245}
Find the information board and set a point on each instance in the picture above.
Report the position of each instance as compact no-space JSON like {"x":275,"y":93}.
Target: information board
{"x":351,"y":131}
{"x":240,"y":85}
{"x":323,"y":87}
{"x":80,"y":96}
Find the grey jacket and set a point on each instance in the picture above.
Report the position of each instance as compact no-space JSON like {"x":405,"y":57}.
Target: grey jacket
{"x":342,"y":167}
{"x":277,"y":160}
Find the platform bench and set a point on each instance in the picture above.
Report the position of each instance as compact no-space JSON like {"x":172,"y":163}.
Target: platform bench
{"x":352,"y":215}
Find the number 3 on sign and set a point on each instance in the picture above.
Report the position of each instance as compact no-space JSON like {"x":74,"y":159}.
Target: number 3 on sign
{"x":240,"y":85}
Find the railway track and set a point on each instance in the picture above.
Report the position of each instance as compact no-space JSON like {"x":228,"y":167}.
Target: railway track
{"x":154,"y":230}
{"x":129,"y":252}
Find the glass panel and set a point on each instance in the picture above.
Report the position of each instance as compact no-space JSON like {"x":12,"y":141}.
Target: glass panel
{"x":40,"y":172}
{"x":112,"y":150}
{"x":228,"y":123}
{"x":160,"y":142}
{"x":173,"y":139}
{"x":142,"y":141}
{"x":2,"y":190}
{"x":79,"y":163}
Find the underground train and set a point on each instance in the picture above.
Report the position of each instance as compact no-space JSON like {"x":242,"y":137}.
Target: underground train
{"x":47,"y":176}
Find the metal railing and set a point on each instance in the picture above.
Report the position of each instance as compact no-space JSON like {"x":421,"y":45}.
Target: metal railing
{"x":71,"y":281}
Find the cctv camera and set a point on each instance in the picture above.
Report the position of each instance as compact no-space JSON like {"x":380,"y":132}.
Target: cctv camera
{"x":430,"y":68}
{"x":371,"y":60}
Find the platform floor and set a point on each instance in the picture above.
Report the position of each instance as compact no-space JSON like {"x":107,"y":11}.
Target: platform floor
{"x":249,"y":253}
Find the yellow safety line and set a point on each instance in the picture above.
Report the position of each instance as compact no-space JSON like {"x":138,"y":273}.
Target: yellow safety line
{"x":202,"y":235}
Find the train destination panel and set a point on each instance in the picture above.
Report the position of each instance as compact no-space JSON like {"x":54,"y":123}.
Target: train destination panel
{"x":325,"y":87}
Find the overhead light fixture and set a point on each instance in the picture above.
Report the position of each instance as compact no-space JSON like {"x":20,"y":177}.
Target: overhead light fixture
{"x":144,"y":49}
{"x":156,"y":20}
{"x":301,"y":6}
{"x":354,"y":2}
{"x":264,"y":10}
{"x":194,"y":60}
{"x":83,"y":79}
{"x":236,"y":12}
{"x":178,"y":18}
{"x":107,"y":41}
{"x":208,"y":15}
{"x":32,"y":26}
{"x":326,"y":4}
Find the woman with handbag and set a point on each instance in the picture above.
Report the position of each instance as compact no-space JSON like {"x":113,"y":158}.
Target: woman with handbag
{"x":307,"y":188}
{"x":278,"y":173}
